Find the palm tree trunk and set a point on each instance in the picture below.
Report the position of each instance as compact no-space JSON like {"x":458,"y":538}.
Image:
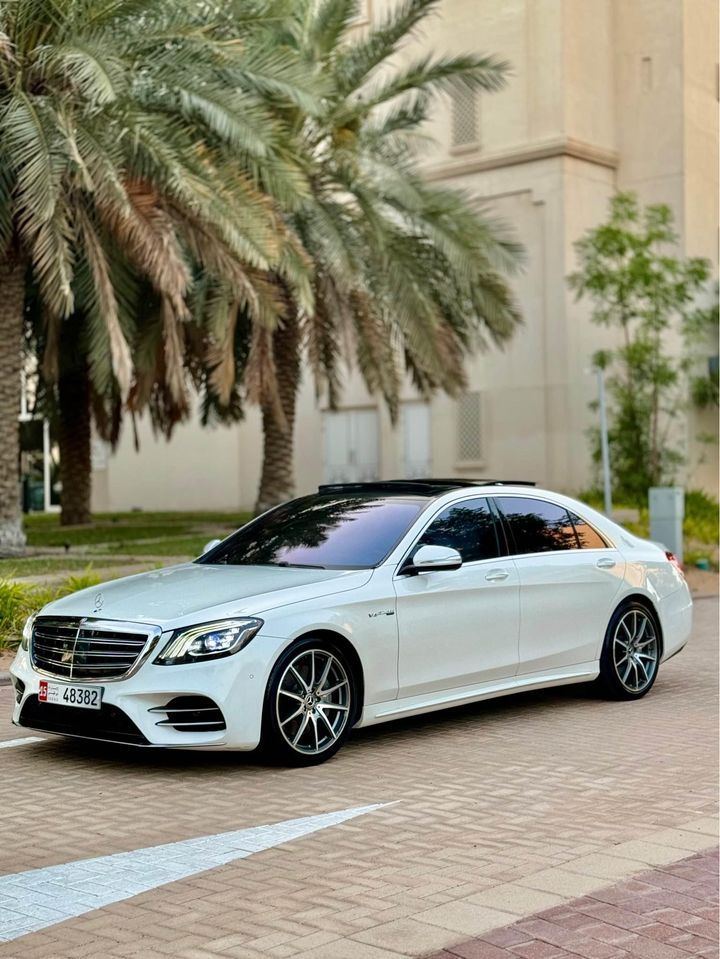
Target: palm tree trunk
{"x":277,"y":482}
{"x":74,"y":441}
{"x":12,"y":306}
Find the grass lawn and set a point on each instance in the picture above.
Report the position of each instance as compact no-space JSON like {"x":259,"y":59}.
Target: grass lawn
{"x":188,"y":547}
{"x":44,"y":530}
{"x":48,"y":565}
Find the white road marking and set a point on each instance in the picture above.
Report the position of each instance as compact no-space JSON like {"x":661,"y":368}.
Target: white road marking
{"x":23,"y":741}
{"x":39,"y":898}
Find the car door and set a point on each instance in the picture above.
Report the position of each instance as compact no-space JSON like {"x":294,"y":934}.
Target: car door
{"x":459,"y":627}
{"x":569,"y":579}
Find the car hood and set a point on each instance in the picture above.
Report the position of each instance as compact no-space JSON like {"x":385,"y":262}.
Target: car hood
{"x":193,"y":592}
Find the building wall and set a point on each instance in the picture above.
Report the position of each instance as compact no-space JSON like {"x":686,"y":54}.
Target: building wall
{"x":604,"y":95}
{"x":197,"y":469}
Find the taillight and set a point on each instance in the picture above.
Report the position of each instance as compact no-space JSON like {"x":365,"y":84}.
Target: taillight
{"x":672,"y":558}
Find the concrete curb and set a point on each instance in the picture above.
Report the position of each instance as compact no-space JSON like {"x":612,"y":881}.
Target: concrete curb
{"x":4,"y":678}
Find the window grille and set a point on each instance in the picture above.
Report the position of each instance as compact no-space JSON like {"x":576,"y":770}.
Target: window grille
{"x":470,"y":428}
{"x":465,"y":118}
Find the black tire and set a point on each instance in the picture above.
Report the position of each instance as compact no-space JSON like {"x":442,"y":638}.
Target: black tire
{"x":633,"y":676}
{"x":327,"y":719}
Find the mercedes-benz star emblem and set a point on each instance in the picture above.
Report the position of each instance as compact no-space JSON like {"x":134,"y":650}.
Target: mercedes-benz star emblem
{"x":99,"y":600}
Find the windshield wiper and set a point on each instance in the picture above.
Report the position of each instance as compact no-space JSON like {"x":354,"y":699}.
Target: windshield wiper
{"x":297,"y":565}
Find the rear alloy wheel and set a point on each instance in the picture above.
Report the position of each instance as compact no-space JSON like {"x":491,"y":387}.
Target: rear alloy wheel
{"x":309,"y":704}
{"x":631,"y":652}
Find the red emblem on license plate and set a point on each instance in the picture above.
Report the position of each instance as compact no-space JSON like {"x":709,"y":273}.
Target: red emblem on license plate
{"x":43,"y":693}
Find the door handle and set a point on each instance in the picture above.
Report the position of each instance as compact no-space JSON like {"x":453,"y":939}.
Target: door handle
{"x":495,"y":575}
{"x":605,"y":563}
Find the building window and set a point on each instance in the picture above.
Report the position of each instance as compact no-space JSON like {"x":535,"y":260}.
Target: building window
{"x":469,"y":437}
{"x":416,"y":441}
{"x":351,"y":446}
{"x":465,"y":119}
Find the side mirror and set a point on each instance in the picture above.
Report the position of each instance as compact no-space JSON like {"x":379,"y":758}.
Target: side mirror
{"x":429,"y":559}
{"x":210,"y":545}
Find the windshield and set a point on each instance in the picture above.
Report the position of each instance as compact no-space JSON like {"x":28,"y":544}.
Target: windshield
{"x":321,"y":531}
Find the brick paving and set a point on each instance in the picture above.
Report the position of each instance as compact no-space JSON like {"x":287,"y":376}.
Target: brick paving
{"x":501,"y":810}
{"x":668,"y":913}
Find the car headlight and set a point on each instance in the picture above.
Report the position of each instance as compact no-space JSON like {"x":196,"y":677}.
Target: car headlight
{"x":209,"y":641}
{"x":27,"y":632}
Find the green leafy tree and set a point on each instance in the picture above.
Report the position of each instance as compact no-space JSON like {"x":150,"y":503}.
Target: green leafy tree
{"x":136,"y":144}
{"x":701,"y":336}
{"x":407,"y":276}
{"x":639,"y":287}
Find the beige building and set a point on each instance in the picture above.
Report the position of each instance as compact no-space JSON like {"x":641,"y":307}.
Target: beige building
{"x":605,"y":95}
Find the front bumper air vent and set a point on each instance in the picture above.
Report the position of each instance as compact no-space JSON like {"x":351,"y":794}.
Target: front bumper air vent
{"x":19,"y":686}
{"x":191,"y":714}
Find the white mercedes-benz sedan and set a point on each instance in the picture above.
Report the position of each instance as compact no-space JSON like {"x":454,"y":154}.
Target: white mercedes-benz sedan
{"x":358,"y":604}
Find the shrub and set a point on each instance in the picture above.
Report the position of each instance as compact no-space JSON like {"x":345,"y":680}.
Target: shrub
{"x":15,"y":606}
{"x":702,"y":513}
{"x":19,"y":600}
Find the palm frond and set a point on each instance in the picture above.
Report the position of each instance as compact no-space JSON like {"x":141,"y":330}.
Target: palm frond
{"x":261,"y":384}
{"x":438,"y":75}
{"x":28,"y":143}
{"x":358,"y":60}
{"x":174,"y":356}
{"x":326,"y":24}
{"x":220,"y":356}
{"x":145,"y":231}
{"x":103,"y":308}
{"x":86,"y":67}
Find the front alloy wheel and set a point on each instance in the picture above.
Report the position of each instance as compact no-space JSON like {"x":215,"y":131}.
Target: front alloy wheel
{"x":631,"y":653}
{"x":309,"y":704}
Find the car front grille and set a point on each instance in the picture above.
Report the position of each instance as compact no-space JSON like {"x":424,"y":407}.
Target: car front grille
{"x":86,"y":650}
{"x":107,"y":723}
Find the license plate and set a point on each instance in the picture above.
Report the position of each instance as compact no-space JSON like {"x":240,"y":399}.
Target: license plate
{"x":85,"y":697}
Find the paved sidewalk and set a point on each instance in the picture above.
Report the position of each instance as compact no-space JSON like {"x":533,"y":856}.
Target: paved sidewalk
{"x":668,"y":913}
{"x":499,"y":811}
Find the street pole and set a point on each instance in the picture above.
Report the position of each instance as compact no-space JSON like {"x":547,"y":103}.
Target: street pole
{"x":604,"y":446}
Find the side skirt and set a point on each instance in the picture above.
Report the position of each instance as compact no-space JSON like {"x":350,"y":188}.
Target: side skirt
{"x":444,"y":699}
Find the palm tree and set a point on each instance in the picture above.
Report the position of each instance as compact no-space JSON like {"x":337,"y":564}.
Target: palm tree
{"x":135,"y":145}
{"x":411,"y":275}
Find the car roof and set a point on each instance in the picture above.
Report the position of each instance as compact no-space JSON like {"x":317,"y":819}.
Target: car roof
{"x":421,"y":487}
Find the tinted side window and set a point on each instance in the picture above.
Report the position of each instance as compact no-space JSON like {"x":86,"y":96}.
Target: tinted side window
{"x":468,"y":527}
{"x":588,"y":537}
{"x":537,"y":526}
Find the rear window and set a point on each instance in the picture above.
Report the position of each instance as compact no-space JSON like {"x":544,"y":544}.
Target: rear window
{"x":322,"y":531}
{"x":588,"y":536}
{"x":537,"y":526}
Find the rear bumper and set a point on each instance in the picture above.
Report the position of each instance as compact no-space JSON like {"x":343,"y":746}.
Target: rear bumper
{"x":676,"y":620}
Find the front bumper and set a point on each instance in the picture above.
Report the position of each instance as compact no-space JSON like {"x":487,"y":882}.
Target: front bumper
{"x":133,"y":707}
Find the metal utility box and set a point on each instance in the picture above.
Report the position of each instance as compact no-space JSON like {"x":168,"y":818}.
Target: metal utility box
{"x":667,"y":510}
